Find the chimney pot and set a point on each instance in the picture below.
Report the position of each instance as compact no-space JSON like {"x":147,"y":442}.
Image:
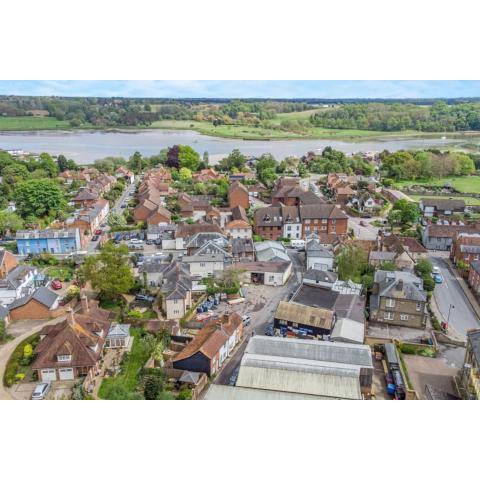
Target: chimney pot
{"x":84,"y":301}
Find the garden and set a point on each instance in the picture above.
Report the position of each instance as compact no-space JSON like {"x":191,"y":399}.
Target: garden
{"x":18,"y":365}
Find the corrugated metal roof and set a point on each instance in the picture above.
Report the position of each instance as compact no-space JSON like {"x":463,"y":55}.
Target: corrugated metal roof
{"x":347,"y":330}
{"x":311,"y":383}
{"x":315,"y":317}
{"x":224,"y":392}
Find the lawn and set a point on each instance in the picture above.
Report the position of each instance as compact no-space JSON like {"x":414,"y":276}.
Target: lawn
{"x":464,"y":184}
{"x":468,"y":200}
{"x":128,"y":378}
{"x":64,"y":274}
{"x":32,"y":123}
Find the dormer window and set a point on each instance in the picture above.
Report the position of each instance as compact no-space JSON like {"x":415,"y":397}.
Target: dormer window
{"x":64,"y":358}
{"x":95,"y":347}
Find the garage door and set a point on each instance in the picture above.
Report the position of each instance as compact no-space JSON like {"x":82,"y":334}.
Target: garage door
{"x":48,"y":375}
{"x":66,"y":373}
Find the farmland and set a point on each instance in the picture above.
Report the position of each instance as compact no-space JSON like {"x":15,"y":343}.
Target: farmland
{"x":464,"y":184}
{"x":32,"y":123}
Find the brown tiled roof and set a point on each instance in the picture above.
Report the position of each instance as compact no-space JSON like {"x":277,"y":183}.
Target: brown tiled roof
{"x":324,"y":210}
{"x":186,"y":230}
{"x":239,"y":213}
{"x":237,"y":186}
{"x":73,"y":338}
{"x":237,"y":224}
{"x":450,"y":230}
{"x":413,"y":245}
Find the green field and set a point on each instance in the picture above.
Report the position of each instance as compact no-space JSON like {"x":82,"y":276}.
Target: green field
{"x":261,"y":133}
{"x":465,"y":184}
{"x":468,"y":200}
{"x":32,"y":123}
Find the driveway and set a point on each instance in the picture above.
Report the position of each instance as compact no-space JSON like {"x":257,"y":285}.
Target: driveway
{"x":7,"y":349}
{"x":462,"y":315}
{"x":367,"y":232}
{"x":261,"y":301}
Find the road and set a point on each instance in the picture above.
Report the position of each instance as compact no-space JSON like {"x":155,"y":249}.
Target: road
{"x":124,"y":198}
{"x":261,"y":303}
{"x":368,"y":232}
{"x":462,"y":316}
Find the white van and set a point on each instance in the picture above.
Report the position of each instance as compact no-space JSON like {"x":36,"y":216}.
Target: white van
{"x":299,"y":244}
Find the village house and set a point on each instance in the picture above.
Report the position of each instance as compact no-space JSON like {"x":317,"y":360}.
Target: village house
{"x":242,"y":250}
{"x":18,"y":282}
{"x":465,"y":248}
{"x":317,"y":256}
{"x":238,"y":196}
{"x":41,"y":304}
{"x":207,"y":175}
{"x":437,"y":207}
{"x":72,"y":349}
{"x":398,"y":298}
{"x":89,"y":219}
{"x":205,"y":265}
{"x":73,"y":175}
{"x":470,"y":374}
{"x":290,"y":194}
{"x":126,"y":174}
{"x":239,"y":226}
{"x":363,"y":202}
{"x":474,"y":276}
{"x":440,"y":237}
{"x":55,"y":241}
{"x":298,"y":222}
{"x":211,"y":346}
{"x":7,"y":262}
{"x":86,"y":197}
{"x":186,"y":232}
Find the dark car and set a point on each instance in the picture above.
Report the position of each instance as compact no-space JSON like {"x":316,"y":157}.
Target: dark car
{"x":95,"y":238}
{"x":269,"y":330}
{"x":145,"y":298}
{"x":149,"y":242}
{"x":124,"y":205}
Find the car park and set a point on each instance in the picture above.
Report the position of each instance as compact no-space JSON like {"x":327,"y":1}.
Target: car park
{"x":41,"y":391}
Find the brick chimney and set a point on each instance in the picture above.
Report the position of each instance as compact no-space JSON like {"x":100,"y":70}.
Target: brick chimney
{"x":84,"y":302}
{"x":71,"y":316}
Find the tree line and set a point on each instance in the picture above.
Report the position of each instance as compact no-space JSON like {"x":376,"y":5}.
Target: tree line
{"x":439,"y":117}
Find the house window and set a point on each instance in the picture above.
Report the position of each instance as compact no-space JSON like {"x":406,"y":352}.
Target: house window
{"x":202,"y":264}
{"x":176,"y":312}
{"x":271,"y":278}
{"x":388,"y":316}
{"x":324,"y":220}
{"x":418,"y":307}
{"x":64,"y":358}
{"x":390,"y":303}
{"x":403,"y":316}
{"x":333,"y":221}
{"x":175,"y":301}
{"x":289,"y":227}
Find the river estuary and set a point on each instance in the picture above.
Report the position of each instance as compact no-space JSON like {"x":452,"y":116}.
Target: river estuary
{"x":85,"y":146}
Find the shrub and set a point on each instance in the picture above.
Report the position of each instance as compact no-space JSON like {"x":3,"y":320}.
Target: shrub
{"x":185,"y":393}
{"x":135,"y":314}
{"x":15,"y":361}
{"x":19,"y":377}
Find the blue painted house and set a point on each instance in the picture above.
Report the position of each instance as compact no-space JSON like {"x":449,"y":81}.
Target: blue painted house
{"x":48,"y":241}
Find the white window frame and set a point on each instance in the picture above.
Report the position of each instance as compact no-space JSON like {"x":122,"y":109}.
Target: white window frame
{"x":388,"y":316}
{"x":390,"y":303}
{"x":418,"y":307}
{"x":64,"y":358}
{"x":403,"y":316}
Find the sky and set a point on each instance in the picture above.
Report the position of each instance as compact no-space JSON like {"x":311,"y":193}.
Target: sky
{"x":246,"y":88}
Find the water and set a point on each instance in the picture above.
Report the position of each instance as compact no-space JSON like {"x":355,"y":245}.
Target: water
{"x":86,"y":146}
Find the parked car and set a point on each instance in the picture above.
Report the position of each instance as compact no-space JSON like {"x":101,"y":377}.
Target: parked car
{"x":269,"y":330}
{"x":435,"y":270}
{"x":149,"y":242}
{"x":145,"y":298}
{"x":246,"y":320}
{"x":362,"y":223}
{"x":98,"y":232}
{"x":56,"y":284}
{"x":124,"y":205}
{"x":233,"y":379}
{"x":95,"y":238}
{"x":437,"y":278}
{"x":41,"y":391}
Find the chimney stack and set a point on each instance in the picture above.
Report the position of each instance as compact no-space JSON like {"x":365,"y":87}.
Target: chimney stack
{"x":84,"y":301}
{"x":71,"y":316}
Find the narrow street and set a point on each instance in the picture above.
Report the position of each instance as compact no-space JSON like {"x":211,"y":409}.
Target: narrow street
{"x":261,"y":303}
{"x":462,"y":315}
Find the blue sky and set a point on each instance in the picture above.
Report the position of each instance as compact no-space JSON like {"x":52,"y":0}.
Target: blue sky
{"x":246,"y":88}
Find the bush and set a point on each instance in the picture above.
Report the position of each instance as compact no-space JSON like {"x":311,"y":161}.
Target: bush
{"x":14,"y":363}
{"x":185,"y":393}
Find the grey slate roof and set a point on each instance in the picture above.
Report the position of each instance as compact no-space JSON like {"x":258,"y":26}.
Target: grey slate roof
{"x":320,"y":276}
{"x":470,"y":248}
{"x":315,"y":297}
{"x":42,"y":295}
{"x":3,"y":312}
{"x":119,"y":330}
{"x":315,"y":249}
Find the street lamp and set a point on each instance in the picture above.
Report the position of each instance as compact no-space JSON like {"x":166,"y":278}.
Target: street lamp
{"x":449,"y":311}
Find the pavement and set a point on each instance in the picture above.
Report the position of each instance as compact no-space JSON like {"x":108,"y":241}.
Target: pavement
{"x":261,"y":301}
{"x":450,"y":293}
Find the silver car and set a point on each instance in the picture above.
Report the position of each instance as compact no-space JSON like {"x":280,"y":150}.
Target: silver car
{"x":41,"y":391}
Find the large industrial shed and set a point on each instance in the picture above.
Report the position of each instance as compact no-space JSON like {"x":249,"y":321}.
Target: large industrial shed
{"x":309,"y":367}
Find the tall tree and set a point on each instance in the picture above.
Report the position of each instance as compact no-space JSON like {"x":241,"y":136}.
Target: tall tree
{"x":110,"y":272}
{"x":38,"y":197}
{"x":9,"y":222}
